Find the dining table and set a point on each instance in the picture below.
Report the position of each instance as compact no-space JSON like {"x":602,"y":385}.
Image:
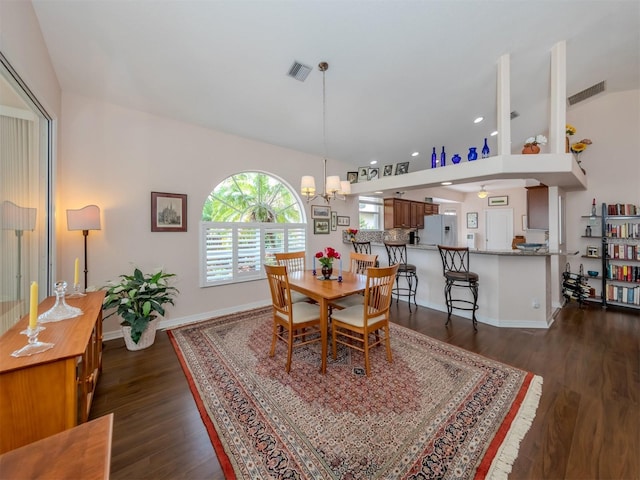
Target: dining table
{"x":324,"y":291}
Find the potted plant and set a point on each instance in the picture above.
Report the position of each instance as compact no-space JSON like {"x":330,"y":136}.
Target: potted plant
{"x":138,"y":299}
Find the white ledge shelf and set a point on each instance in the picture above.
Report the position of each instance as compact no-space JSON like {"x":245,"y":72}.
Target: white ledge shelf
{"x":552,"y":169}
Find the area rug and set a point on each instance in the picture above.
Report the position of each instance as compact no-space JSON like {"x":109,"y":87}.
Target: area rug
{"x":437,"y":411}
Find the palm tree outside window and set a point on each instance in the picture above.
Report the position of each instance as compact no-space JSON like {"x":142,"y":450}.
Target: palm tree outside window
{"x":246,"y":219}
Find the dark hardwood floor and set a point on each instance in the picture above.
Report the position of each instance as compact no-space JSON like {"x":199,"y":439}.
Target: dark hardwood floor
{"x":586,"y":426}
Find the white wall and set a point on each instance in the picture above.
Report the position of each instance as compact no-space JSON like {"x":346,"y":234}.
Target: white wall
{"x":114,"y":157}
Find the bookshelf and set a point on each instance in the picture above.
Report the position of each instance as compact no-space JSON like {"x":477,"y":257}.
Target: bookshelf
{"x":591,"y":243}
{"x":620,"y":254}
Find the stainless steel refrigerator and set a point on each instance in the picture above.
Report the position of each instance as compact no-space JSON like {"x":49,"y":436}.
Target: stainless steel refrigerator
{"x":440,"y":230}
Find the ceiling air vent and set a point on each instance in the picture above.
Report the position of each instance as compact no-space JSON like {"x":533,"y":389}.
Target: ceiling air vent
{"x":586,"y":93}
{"x":299,"y":71}
{"x":514,"y":114}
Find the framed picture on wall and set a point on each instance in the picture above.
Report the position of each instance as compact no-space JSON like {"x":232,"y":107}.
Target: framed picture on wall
{"x":320,"y":226}
{"x":168,"y":212}
{"x":472,"y":220}
{"x":320,"y":211}
{"x":334,"y":220}
{"x":344,"y":221}
{"x":402,"y":168}
{"x":498,"y":201}
{"x":388,"y":170}
{"x":373,"y":173}
{"x":363,"y":174}
{"x":352,"y":177}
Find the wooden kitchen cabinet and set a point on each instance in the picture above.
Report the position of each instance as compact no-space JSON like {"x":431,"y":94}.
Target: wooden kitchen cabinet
{"x":400,"y":213}
{"x":538,"y":208}
{"x":49,"y":392}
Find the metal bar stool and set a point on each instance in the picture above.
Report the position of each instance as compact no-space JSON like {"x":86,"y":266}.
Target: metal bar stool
{"x":397,"y":253}
{"x":362,"y":247}
{"x":455,"y":268}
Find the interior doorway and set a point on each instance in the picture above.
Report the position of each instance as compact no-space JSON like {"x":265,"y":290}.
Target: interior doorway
{"x":498,"y":228}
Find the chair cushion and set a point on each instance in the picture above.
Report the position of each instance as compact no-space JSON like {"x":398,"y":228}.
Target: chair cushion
{"x":354,"y":315}
{"x":461,"y":276}
{"x":302,"y":312}
{"x":297,"y":297}
{"x":408,"y":268}
{"x":350,"y":301}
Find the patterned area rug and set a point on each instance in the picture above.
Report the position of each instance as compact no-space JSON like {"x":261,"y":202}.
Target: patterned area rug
{"x":436,"y":412}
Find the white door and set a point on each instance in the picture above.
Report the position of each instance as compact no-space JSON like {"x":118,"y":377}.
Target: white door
{"x":499,"y":228}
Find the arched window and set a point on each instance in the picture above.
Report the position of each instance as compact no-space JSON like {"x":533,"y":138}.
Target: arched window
{"x":247,"y":218}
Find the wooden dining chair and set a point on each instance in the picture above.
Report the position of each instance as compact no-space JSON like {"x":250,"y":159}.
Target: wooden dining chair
{"x":358,"y":263}
{"x":353,"y":326}
{"x":295,"y":262}
{"x":296,"y":324}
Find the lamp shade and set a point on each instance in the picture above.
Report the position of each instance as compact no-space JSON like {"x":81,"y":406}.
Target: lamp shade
{"x":333,"y":184}
{"x":86,"y":218}
{"x":13,"y":217}
{"x":483,"y":193}
{"x":308,"y":185}
{"x":345,"y":187}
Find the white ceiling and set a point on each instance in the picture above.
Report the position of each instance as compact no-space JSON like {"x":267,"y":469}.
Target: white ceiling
{"x":403,"y":75}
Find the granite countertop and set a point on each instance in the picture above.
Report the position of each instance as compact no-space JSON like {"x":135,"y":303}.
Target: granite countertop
{"x":512,"y":253}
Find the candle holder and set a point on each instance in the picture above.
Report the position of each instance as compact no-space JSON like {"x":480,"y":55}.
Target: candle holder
{"x":60,"y":310}
{"x":77,"y":292}
{"x":34,"y":345}
{"x":339,"y":278}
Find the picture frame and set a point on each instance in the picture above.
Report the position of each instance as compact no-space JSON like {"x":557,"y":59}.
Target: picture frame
{"x":498,"y":201}
{"x":387,"y":170}
{"x":344,"y":221}
{"x":373,"y":173}
{"x":592,"y":251}
{"x":321,"y":211}
{"x":402,"y":168}
{"x":168,"y":212}
{"x":472,"y":220}
{"x":363,"y":174}
{"x":334,"y":220}
{"x":321,"y":226}
{"x":352,"y":177}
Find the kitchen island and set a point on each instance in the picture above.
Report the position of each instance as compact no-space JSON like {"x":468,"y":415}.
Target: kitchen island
{"x":514,"y":288}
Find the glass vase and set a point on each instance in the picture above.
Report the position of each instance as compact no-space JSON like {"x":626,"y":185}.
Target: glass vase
{"x":456,"y":159}
{"x":485,"y":149}
{"x":326,"y":272}
{"x":434,"y":158}
{"x":473,"y":154}
{"x":443,"y":158}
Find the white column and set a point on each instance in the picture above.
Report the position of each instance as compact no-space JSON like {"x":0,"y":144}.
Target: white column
{"x":558,"y":118}
{"x":504,"y":105}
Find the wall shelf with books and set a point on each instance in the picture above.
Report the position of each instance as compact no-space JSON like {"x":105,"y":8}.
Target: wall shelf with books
{"x":621,"y":255}
{"x":590,"y":245}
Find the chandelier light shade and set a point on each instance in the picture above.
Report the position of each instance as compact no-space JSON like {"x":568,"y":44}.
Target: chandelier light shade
{"x":333,"y":187}
{"x":85,"y":219}
{"x":482,"y":193}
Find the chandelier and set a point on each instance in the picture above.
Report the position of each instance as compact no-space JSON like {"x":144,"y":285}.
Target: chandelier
{"x":482,"y":193}
{"x":333,"y":187}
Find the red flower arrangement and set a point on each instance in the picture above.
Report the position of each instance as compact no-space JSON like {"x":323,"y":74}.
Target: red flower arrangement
{"x":327,"y":256}
{"x":352,"y":232}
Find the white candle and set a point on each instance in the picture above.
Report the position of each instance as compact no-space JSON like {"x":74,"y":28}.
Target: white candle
{"x":76,"y":274}
{"x":33,"y":306}
{"x":314,"y":263}
{"x":340,"y":266}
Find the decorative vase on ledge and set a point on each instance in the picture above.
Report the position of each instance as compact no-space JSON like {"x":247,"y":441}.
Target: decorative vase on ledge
{"x":531,"y":149}
{"x":472,"y":155}
{"x":456,"y":159}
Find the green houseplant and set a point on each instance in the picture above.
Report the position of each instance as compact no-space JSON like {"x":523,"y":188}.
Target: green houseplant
{"x":138,"y":299}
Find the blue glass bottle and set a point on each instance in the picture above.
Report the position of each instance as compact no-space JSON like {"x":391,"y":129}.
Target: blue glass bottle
{"x":456,"y":159}
{"x":485,"y":149}
{"x":443,"y":158}
{"x":473,"y":155}
{"x":434,"y":158}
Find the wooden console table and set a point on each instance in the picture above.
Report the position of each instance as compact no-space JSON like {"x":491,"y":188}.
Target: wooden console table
{"x":49,"y":392}
{"x":80,"y":452}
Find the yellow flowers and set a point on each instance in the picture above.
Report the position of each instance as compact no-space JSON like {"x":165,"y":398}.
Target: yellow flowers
{"x":581,"y":146}
{"x":570,"y":130}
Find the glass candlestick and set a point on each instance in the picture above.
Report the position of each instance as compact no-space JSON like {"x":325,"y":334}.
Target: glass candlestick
{"x":77,"y":292}
{"x":60,"y":310}
{"x":34,"y":345}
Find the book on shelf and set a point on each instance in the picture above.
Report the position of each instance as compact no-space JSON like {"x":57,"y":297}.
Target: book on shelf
{"x":620,"y":294}
{"x":622,"y":209}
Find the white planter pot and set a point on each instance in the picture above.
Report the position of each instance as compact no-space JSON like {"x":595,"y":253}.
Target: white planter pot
{"x":146,"y":339}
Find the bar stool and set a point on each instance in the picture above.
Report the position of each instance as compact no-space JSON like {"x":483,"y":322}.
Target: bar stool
{"x":362,"y":247}
{"x":397,"y":253}
{"x":455,"y":268}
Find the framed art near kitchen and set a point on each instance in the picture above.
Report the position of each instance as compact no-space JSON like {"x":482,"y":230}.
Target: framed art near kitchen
{"x":363,"y":174}
{"x":498,"y":201}
{"x":388,"y":170}
{"x":320,"y":226}
{"x":168,"y":212}
{"x":472,"y":220}
{"x":334,"y":220}
{"x":344,"y":221}
{"x":373,"y":173}
{"x":320,"y":211}
{"x":352,"y":177}
{"x":402,"y":168}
